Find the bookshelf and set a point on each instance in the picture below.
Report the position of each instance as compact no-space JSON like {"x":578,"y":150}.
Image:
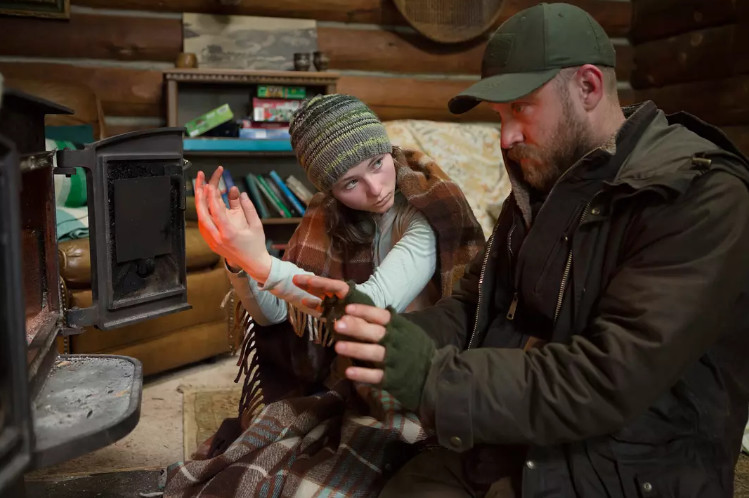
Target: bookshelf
{"x":192,"y":92}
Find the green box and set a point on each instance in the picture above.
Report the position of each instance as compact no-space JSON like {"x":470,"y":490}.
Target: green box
{"x":281,"y":92}
{"x":209,"y":120}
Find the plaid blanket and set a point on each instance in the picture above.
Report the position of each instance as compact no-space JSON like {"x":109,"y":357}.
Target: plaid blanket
{"x":315,"y":446}
{"x":341,"y":442}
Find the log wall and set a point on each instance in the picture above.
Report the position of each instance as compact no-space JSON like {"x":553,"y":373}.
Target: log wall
{"x":693,"y":55}
{"x":121,"y":47}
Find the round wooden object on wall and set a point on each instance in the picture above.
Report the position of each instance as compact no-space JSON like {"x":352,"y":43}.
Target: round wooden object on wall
{"x":450,"y":21}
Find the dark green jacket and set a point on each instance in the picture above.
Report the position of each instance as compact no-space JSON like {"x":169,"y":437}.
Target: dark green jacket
{"x":638,"y":279}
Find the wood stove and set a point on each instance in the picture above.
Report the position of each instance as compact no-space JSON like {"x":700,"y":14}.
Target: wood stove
{"x":55,"y":407}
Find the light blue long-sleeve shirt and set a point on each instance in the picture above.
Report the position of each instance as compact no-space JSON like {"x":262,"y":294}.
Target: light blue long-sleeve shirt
{"x":402,"y":270}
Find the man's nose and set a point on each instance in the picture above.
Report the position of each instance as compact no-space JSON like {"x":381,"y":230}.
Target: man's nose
{"x":510,"y":134}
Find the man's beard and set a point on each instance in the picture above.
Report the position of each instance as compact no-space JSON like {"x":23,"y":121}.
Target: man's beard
{"x":570,"y":141}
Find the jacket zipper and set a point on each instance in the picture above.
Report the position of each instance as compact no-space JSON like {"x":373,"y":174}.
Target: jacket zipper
{"x":514,"y":304}
{"x":567,"y":268}
{"x":487,"y":252}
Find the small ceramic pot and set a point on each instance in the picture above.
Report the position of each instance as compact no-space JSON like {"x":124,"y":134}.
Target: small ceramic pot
{"x":301,"y":61}
{"x":186,"y":59}
{"x":321,"y":61}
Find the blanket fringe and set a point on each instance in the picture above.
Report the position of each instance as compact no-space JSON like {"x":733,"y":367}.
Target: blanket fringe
{"x":316,"y":329}
{"x":251,"y":400}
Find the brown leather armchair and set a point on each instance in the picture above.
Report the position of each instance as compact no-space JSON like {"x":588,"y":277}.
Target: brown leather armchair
{"x":162,"y":343}
{"x":166,"y":342}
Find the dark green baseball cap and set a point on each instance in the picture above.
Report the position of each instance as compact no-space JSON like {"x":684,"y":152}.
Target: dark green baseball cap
{"x":530,"y":48}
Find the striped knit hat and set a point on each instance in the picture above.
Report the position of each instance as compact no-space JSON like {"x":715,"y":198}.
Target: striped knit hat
{"x":331,"y":133}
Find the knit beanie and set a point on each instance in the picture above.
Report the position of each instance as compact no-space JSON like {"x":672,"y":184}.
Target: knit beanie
{"x":331,"y":133}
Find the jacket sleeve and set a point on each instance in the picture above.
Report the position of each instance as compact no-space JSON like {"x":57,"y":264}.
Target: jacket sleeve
{"x":450,"y":320}
{"x":683,"y":269}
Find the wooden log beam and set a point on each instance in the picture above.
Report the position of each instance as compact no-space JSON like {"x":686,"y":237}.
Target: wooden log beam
{"x":93,"y":37}
{"x":654,"y":19}
{"x":613,"y":15}
{"x":122,"y":91}
{"x":133,"y":92}
{"x":697,"y":55}
{"x":397,"y":52}
{"x":720,"y":102}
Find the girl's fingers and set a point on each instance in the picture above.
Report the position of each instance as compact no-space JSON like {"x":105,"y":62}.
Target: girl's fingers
{"x":216,"y":176}
{"x":321,"y":286}
{"x":248,"y":207}
{"x":217,"y":207}
{"x":234,"y":198}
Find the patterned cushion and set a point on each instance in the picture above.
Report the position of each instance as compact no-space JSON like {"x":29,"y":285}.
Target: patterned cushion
{"x":469,"y":153}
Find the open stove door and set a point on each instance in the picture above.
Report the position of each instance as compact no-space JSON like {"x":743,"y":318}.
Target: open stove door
{"x":136,"y":195}
{"x":16,"y":436}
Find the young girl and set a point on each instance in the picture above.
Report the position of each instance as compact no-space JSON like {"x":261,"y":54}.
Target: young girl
{"x":379,"y":219}
{"x":389,"y":220}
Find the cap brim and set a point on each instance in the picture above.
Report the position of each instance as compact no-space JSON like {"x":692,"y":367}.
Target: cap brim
{"x":500,"y":88}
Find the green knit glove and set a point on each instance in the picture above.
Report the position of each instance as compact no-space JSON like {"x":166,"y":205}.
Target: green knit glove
{"x":408,"y":350}
{"x":408,"y":357}
{"x":334,"y":308}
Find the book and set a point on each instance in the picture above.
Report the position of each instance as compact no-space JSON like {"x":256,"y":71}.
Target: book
{"x":209,"y":120}
{"x":264,"y":133}
{"x":271,"y":197}
{"x":229,"y":183}
{"x":299,"y":189}
{"x":288,"y":194}
{"x":282,"y":92}
{"x":277,"y":193}
{"x":256,"y":197}
{"x":223,"y":190}
{"x":273,"y":109}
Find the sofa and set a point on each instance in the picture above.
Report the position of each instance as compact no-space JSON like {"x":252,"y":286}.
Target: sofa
{"x":162,"y":343}
{"x":470,"y":153}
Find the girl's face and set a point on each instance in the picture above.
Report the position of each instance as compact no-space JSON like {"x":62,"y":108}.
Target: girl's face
{"x":368,"y":186}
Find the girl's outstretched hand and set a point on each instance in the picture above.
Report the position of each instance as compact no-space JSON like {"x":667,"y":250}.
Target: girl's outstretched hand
{"x":236,"y":232}
{"x":321,"y":288}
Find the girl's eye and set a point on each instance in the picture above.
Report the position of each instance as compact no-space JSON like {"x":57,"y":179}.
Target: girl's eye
{"x":350,"y":184}
{"x":377,"y":164}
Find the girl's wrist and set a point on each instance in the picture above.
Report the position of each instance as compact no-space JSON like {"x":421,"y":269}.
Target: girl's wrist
{"x":259,"y":268}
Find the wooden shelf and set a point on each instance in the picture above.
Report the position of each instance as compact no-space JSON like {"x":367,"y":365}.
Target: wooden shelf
{"x":243,"y":76}
{"x":281,"y":221}
{"x":239,"y":153}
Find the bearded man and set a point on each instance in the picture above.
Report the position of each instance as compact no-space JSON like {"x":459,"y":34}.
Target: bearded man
{"x":598,"y":347}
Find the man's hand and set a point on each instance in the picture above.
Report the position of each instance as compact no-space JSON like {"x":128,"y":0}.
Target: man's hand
{"x":236,"y":233}
{"x":399,"y":351}
{"x":365,"y":325}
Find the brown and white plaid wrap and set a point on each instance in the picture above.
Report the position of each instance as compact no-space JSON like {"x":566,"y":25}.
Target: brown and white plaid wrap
{"x":426,"y":188}
{"x":344,"y":441}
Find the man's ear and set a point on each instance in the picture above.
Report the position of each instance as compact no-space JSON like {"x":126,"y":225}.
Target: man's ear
{"x":591,"y":84}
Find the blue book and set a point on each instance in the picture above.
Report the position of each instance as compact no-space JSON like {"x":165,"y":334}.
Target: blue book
{"x":288,"y":194}
{"x":229,"y":182}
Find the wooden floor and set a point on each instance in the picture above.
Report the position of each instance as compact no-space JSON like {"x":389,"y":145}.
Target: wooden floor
{"x":109,"y":485}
